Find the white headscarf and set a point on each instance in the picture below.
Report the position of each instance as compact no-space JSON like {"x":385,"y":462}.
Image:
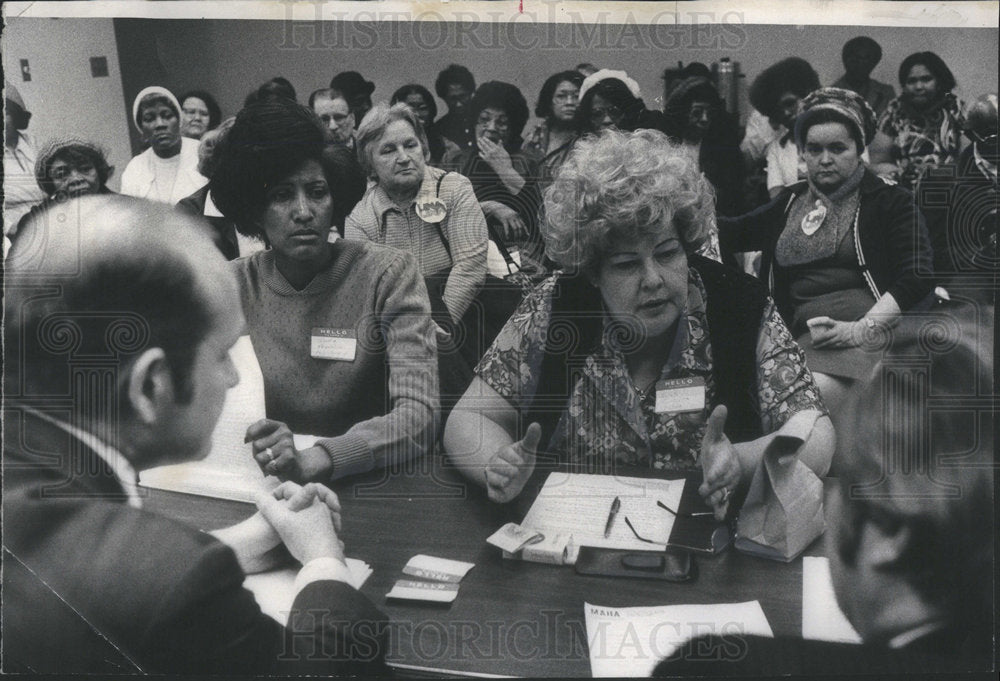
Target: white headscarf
{"x":595,"y":78}
{"x":152,"y":90}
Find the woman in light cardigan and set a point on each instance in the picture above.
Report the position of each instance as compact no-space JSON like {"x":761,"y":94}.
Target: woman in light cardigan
{"x":414,"y":207}
{"x":168,"y":170}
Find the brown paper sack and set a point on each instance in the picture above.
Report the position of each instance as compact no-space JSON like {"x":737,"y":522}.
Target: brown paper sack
{"x":783,"y":511}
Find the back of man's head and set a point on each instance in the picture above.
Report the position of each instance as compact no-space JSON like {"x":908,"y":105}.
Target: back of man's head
{"x":100,"y":280}
{"x":919,"y":479}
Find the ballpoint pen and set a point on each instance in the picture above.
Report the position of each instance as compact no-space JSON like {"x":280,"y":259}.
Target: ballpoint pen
{"x":615,"y":505}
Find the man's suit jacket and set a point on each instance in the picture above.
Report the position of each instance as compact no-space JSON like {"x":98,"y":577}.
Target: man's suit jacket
{"x":91,"y":584}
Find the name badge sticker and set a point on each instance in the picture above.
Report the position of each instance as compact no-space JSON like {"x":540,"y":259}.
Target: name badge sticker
{"x":680,"y":395}
{"x":337,"y":344}
{"x":431,"y":209}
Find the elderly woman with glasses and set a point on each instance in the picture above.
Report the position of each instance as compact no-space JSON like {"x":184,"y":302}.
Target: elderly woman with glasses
{"x":341,"y":328}
{"x":168,"y":170}
{"x":585,"y":367}
{"x":610,"y":99}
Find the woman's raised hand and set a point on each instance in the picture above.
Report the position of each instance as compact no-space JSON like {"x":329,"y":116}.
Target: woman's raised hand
{"x":512,"y":465}
{"x":494,"y":154}
{"x":720,"y":464}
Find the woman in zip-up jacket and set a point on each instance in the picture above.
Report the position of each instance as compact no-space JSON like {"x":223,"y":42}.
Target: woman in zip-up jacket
{"x":844,"y":252}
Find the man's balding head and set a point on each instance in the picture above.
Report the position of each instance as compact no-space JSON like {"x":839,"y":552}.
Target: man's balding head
{"x":111,"y":279}
{"x":910,"y":532}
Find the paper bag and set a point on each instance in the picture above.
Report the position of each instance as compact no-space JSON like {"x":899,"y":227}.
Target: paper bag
{"x":783,"y":511}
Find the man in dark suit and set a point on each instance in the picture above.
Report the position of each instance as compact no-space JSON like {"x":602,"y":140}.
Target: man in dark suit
{"x":117,"y":338}
{"x":909,"y":522}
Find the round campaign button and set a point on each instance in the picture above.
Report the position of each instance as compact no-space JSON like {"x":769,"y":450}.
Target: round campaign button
{"x":431,"y":209}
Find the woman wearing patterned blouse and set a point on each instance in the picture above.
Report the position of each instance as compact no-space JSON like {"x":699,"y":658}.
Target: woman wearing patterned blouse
{"x":922,"y":128}
{"x":590,"y":365}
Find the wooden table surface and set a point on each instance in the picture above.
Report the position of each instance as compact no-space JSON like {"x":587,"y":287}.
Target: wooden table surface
{"x":510,"y":617}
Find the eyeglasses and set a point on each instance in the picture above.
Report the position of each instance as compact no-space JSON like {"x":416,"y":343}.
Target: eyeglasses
{"x":703,"y":515}
{"x":566,"y":96}
{"x":637,"y":535}
{"x":498,"y":121}
{"x":708,"y":515}
{"x":597,"y":115}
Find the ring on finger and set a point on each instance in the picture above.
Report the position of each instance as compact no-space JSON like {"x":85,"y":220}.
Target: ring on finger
{"x":725,"y":495}
{"x":270,"y":454}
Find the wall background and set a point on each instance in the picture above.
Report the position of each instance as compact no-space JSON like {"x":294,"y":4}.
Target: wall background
{"x":63,"y":97}
{"x":231,"y":57}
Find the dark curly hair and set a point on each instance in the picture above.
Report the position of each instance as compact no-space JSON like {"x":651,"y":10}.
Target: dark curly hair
{"x":935,"y":64}
{"x":214,"y":112}
{"x":543,"y":108}
{"x":499,"y":95}
{"x":454,"y":73}
{"x":266,"y":144}
{"x":793,"y":75}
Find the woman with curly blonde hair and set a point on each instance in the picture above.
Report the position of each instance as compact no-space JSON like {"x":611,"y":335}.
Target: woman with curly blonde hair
{"x":588,"y":365}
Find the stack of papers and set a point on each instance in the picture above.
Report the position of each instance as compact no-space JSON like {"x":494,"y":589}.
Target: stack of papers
{"x":275,"y":591}
{"x":578,"y":506}
{"x":631,"y":641}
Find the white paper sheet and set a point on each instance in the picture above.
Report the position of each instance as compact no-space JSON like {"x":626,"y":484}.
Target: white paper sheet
{"x":275,"y":591}
{"x":229,"y":471}
{"x":822,"y":618}
{"x":631,"y":641}
{"x":578,"y":505}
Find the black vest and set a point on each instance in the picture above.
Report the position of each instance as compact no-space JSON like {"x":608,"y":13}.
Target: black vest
{"x":734,"y":307}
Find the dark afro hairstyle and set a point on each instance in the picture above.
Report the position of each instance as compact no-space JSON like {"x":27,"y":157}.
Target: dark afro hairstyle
{"x":267,"y":143}
{"x":499,"y":95}
{"x":793,"y":75}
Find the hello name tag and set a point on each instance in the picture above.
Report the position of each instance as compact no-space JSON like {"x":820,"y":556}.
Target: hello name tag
{"x":336,"y":344}
{"x":679,"y":395}
{"x":412,"y":590}
{"x":431,"y":209}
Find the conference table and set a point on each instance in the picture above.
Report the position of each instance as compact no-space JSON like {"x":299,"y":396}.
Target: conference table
{"x":511,"y":618}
